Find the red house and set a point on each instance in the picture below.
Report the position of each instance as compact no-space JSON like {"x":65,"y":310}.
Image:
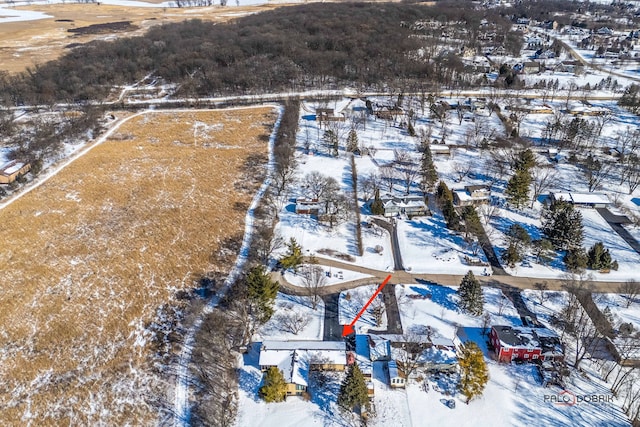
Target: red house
{"x":528,"y":344}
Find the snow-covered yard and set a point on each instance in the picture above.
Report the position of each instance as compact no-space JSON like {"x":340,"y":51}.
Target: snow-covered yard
{"x":427,"y":246}
{"x":289,"y":309}
{"x":332,"y":276}
{"x":352,"y":301}
{"x":617,"y":304}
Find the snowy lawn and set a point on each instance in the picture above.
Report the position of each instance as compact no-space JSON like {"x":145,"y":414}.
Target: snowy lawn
{"x":617,"y":304}
{"x":597,"y":230}
{"x":293,"y":313}
{"x":437,"y":306}
{"x":427,"y":246}
{"x":332,"y":276}
{"x":352,"y":301}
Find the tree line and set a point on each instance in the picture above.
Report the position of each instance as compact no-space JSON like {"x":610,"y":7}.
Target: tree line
{"x":315,"y":45}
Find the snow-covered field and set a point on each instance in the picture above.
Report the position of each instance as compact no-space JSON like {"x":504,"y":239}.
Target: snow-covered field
{"x":427,"y":246}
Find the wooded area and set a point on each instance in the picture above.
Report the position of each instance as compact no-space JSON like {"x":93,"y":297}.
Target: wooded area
{"x":315,"y":45}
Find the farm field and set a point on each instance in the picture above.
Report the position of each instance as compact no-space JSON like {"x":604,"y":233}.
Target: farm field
{"x":90,"y":256}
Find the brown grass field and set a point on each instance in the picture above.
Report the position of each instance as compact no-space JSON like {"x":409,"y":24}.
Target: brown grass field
{"x":88,"y":257}
{"x":26,"y":44}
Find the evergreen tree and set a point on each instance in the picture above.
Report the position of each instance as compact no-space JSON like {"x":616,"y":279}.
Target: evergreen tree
{"x":525,"y":160}
{"x":275,"y":387}
{"x":352,"y":141}
{"x":575,"y":260}
{"x":443,"y":193}
{"x":511,"y":256}
{"x":450,"y":215}
{"x":428,"y":173}
{"x":472,"y":224}
{"x":519,"y":240}
{"x":599,"y":258}
{"x":262,"y":292}
{"x":377,"y":208}
{"x":562,"y":225}
{"x":353,"y":394}
{"x":517,"y":190}
{"x":293,"y":257}
{"x":543,"y":251}
{"x":470,"y":292}
{"x":474,"y":374}
{"x":410,"y":129}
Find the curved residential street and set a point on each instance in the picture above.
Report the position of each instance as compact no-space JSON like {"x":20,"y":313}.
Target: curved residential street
{"x":404,"y":277}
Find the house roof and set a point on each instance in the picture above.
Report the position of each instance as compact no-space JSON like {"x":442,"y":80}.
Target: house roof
{"x":393,"y":370}
{"x":363,"y":358}
{"x":11,"y":167}
{"x":275,"y":353}
{"x":295,"y":368}
{"x":437,"y":356}
{"x":530,"y":338}
{"x":439,"y":148}
{"x":582,"y":198}
{"x":403,"y":202}
{"x":510,"y":336}
{"x":379,"y":347}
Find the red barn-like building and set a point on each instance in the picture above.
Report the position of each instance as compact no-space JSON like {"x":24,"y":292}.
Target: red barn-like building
{"x":528,"y":344}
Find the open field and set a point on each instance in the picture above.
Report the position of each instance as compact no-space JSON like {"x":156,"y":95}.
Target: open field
{"x":90,"y":256}
{"x":27,"y":43}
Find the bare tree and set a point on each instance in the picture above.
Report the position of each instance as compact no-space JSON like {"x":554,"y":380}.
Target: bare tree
{"x":542,"y":288}
{"x":630,"y":290}
{"x":542,"y":179}
{"x":317,"y":185}
{"x":291,"y":321}
{"x":369,"y":184}
{"x":462,"y":169}
{"x":407,"y":167}
{"x":313,"y":280}
{"x":577,"y":321}
{"x":411,"y":345}
{"x":388,"y":174}
{"x":595,"y":171}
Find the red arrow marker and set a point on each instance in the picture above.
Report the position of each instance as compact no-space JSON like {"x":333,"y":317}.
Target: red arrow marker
{"x":348,"y":329}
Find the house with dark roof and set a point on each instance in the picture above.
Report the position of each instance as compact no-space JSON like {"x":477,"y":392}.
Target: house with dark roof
{"x":526,"y":344}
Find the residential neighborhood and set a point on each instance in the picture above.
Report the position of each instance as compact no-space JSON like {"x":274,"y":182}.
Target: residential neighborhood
{"x":321,"y":214}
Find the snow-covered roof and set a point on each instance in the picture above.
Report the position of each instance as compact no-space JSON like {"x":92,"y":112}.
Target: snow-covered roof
{"x":304,"y":345}
{"x":529,"y":338}
{"x":436,"y":356}
{"x":583,"y":198}
{"x":402,"y":202}
{"x":393,"y":370}
{"x":294,"y":357}
{"x":379,"y":348}
{"x":439,"y":148}
{"x":510,"y":336}
{"x":11,"y":167}
{"x":295,"y":368}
